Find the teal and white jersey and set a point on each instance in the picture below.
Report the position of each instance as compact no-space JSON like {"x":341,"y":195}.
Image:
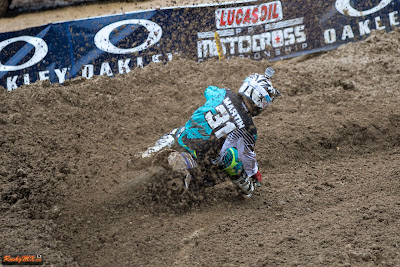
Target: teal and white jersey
{"x":222,"y":122}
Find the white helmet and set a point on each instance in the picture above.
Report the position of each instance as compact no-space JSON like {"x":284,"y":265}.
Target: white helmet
{"x":259,"y":90}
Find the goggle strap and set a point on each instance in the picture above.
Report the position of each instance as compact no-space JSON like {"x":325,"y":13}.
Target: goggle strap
{"x":257,"y":87}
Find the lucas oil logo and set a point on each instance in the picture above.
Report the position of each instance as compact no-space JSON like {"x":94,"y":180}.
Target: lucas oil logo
{"x":256,"y":31}
{"x":248,"y":15}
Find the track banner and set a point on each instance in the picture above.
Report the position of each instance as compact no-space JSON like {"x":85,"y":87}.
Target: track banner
{"x":118,"y":44}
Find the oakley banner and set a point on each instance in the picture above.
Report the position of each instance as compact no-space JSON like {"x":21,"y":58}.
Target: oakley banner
{"x":118,"y":44}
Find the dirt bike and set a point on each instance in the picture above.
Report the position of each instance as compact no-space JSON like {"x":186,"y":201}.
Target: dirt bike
{"x":174,"y":177}
{"x":172,"y":170}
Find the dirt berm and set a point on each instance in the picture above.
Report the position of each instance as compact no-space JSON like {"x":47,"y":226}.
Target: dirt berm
{"x":328,"y":151}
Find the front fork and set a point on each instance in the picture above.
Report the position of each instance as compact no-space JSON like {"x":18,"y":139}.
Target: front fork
{"x":182,"y":162}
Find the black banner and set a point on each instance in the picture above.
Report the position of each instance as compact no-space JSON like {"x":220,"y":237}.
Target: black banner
{"x":118,"y":44}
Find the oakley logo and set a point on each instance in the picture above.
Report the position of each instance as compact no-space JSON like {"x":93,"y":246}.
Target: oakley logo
{"x":39,"y":44}
{"x":344,"y":7}
{"x":102,"y":38}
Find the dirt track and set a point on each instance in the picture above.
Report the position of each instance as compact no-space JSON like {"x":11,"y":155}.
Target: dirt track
{"x":329,"y":153}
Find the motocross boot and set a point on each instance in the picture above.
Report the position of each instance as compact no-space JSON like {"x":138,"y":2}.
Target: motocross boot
{"x":244,"y":183}
{"x":166,"y":141}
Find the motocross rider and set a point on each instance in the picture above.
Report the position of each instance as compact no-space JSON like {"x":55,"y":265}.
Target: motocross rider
{"x":222,"y":131}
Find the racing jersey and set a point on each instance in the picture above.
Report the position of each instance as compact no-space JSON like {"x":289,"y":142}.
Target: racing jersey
{"x":222,"y":122}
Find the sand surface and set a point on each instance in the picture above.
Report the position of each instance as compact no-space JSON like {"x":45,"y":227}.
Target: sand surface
{"x":328,"y":150}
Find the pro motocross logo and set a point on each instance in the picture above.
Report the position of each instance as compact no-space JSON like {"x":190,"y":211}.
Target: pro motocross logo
{"x":256,"y":31}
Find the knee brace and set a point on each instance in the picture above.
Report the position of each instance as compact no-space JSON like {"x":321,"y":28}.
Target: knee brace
{"x":230,"y":162}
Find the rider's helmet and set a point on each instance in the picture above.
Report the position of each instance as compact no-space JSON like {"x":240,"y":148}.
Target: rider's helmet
{"x":259,"y":90}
